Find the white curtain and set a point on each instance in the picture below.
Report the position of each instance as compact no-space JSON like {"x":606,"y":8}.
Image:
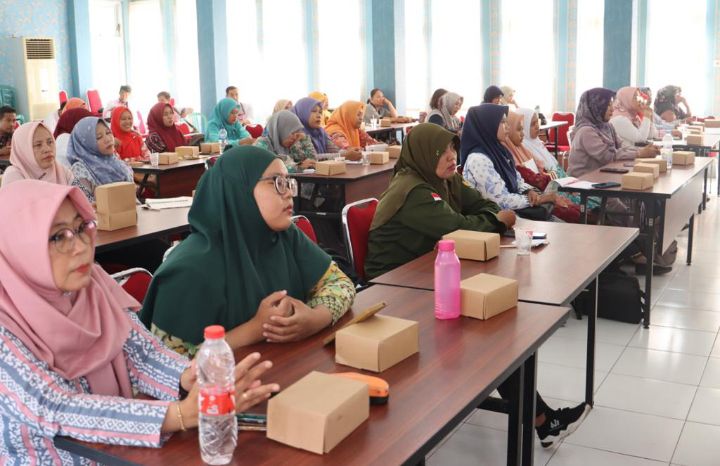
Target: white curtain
{"x":590,"y":45}
{"x":107,"y":49}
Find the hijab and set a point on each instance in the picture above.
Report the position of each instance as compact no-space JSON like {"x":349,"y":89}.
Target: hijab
{"x":220,"y":116}
{"x":74,"y":102}
{"x":68,"y":120}
{"x":229,"y":237}
{"x":520,"y":154}
{"x":323,"y":98}
{"x":170,"y":135}
{"x":480,"y":135}
{"x":343,"y":120}
{"x":445,"y":107}
{"x":130,"y":141}
{"x":79,"y":334}
{"x":535,"y":145}
{"x":665,"y":100}
{"x":281,"y":125}
{"x":303,"y":108}
{"x":83,"y":148}
{"x":507,"y":93}
{"x":591,"y":112}
{"x":280,"y":105}
{"x":623,"y":104}
{"x":417,"y":164}
{"x":22,"y":159}
{"x":491,"y":93}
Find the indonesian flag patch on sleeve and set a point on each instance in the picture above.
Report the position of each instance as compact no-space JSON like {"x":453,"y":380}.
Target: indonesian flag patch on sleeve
{"x":436,"y":197}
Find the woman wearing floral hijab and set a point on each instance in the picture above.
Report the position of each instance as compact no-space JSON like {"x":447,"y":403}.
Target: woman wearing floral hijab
{"x":667,"y":104}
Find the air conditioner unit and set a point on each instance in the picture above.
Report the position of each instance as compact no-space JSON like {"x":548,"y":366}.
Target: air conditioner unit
{"x":37,"y":88}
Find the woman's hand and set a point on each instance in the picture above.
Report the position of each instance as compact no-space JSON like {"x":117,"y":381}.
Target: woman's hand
{"x":352,"y":153}
{"x":247,"y":142}
{"x":249,"y":389}
{"x":307,"y":163}
{"x":561,"y":201}
{"x":507,"y":217}
{"x":189,"y":376}
{"x":533,"y":197}
{"x":304,"y":322}
{"x":648,"y":151}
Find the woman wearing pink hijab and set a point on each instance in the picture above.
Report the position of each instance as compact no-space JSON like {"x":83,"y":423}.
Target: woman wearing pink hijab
{"x":72,"y":349}
{"x":33,"y":157}
{"x":633,"y":120}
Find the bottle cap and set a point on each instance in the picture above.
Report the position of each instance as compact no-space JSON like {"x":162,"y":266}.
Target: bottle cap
{"x":214,"y":332}
{"x":446,"y":245}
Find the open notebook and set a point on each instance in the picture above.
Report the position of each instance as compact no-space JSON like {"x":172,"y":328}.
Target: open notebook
{"x":168,"y":203}
{"x":570,"y":182}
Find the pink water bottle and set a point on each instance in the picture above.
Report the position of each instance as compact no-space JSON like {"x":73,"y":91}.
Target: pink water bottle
{"x":447,"y":281}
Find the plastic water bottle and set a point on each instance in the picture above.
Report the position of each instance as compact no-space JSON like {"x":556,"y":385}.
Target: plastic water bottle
{"x":216,"y":417}
{"x":447,"y":281}
{"x":667,"y":149}
{"x":222,"y":136}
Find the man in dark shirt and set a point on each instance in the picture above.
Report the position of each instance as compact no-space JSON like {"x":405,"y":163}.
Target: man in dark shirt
{"x":7,"y":126}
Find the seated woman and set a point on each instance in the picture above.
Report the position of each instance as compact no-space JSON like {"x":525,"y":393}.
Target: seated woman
{"x":492,"y":95}
{"x":225,"y":116}
{"x":128,"y":142}
{"x":378,"y":106}
{"x":426,"y":199}
{"x":448,"y":106}
{"x":91,"y":153}
{"x":489,"y":167}
{"x":64,"y":127}
{"x":667,"y":105}
{"x":285,"y":137}
{"x":323,"y":98}
{"x":269,"y":281}
{"x":163,"y":135}
{"x":344,"y":129}
{"x":74,"y":352}
{"x":282,"y":104}
{"x":533,"y":171}
{"x":434,"y":104}
{"x":32,"y":157}
{"x":508,"y":98}
{"x":593,"y":141}
{"x":632,"y":121}
{"x":309,"y":111}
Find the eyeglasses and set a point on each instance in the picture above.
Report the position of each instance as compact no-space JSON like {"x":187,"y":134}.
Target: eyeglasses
{"x":64,"y":240}
{"x":283,"y":184}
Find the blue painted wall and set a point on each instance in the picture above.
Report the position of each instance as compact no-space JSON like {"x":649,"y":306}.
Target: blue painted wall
{"x":618,"y":43}
{"x":37,"y":18}
{"x":383,"y":47}
{"x":212,"y":49}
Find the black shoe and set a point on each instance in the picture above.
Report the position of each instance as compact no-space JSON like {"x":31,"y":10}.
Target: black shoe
{"x":657,"y":269}
{"x":561,"y":423}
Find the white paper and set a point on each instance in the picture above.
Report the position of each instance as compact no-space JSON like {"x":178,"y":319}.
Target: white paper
{"x":168,"y":203}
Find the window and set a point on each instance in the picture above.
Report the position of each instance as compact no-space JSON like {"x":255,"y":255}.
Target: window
{"x":341,"y":57}
{"x":247,"y":78}
{"x":590,"y":46}
{"x":148,"y":69}
{"x":187,"y":68}
{"x":416,"y":85}
{"x":107,"y":47}
{"x":527,"y":52}
{"x":664,"y":48}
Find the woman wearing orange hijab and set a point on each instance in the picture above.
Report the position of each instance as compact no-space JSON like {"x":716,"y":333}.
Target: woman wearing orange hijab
{"x":323,"y":99}
{"x":343,"y":127}
{"x":128,"y":143}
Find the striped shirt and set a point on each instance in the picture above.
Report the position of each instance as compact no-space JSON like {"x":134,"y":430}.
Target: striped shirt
{"x":36,"y":403}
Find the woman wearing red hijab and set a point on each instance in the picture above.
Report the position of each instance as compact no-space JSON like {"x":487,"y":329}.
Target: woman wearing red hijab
{"x":163,"y":135}
{"x":64,"y":127}
{"x":128,"y":142}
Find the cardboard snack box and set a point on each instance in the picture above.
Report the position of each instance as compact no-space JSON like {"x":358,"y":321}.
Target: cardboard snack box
{"x":386,"y":122}
{"x":168,"y":158}
{"x":694,"y":140}
{"x":317,"y":412}
{"x":116,"y":220}
{"x":378,"y":158}
{"x":377,"y":343}
{"x":683,"y":157}
{"x":638,"y":181}
{"x":115,"y":197}
{"x":475,"y":245}
{"x":394,"y":151}
{"x":188,"y":152}
{"x":712,"y":123}
{"x":483,"y":296}
{"x":647,"y":168}
{"x":210,"y":148}
{"x":661,"y":163}
{"x":329,"y":167}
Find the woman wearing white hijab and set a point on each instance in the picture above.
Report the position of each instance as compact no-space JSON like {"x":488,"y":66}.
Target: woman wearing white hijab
{"x":532,"y":142}
{"x":448,"y":106}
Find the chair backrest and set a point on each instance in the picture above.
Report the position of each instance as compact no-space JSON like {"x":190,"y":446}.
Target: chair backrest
{"x":93,"y":99}
{"x":183,"y":127}
{"x":356,"y":220}
{"x":303,"y":223}
{"x":141,"y":124}
{"x":63,"y":97}
{"x":562,"y":130}
{"x":135,"y":281}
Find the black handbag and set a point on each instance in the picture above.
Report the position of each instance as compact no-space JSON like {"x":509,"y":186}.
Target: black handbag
{"x":619,"y":297}
{"x":541,"y":212}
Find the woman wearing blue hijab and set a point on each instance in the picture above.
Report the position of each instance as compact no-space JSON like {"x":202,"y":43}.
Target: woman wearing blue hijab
{"x":309,"y":111}
{"x":91,"y":154}
{"x":225,"y":116}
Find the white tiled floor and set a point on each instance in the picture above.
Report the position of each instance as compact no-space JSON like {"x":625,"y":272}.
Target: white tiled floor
{"x":657,"y":391}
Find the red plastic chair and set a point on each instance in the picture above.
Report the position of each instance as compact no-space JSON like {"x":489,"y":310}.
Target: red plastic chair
{"x":356,"y":220}
{"x":562,"y":131}
{"x":303,"y":223}
{"x":62,"y":95}
{"x":141,"y":124}
{"x":135,"y":281}
{"x":93,"y":99}
{"x":254,"y":130}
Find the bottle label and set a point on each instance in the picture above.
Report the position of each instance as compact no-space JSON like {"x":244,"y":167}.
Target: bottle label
{"x":215,"y":402}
